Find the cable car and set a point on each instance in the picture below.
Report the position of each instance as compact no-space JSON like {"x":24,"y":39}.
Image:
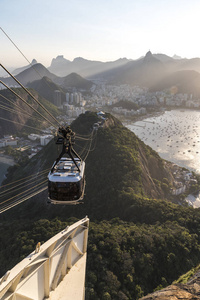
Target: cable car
{"x":66,"y":183}
{"x":66,"y":179}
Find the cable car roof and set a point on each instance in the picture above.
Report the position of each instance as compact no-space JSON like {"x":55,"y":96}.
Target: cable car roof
{"x":66,"y":171}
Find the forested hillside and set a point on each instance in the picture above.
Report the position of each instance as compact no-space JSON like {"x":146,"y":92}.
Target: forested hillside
{"x":16,"y":117}
{"x":138,"y":239}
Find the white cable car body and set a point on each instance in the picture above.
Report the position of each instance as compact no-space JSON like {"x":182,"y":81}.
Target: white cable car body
{"x":66,"y":183}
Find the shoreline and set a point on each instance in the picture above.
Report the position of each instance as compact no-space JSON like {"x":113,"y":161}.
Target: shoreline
{"x":126,"y":121}
{"x":6,"y":159}
{"x":178,"y":147}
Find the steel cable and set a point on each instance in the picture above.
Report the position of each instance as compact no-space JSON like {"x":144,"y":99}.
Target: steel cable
{"x":27,"y":91}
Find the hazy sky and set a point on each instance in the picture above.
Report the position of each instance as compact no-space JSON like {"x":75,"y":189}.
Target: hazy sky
{"x":97,"y":30}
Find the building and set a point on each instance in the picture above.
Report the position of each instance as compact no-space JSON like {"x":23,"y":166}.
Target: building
{"x":57,"y":98}
{"x":8,"y":141}
{"x":44,"y":140}
{"x":33,"y":136}
{"x":67,"y":97}
{"x":71,"y":98}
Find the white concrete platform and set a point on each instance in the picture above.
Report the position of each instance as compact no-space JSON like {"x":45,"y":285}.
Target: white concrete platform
{"x":55,"y":271}
{"x":73,"y":285}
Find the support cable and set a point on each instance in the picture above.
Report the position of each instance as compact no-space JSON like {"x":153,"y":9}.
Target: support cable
{"x":17,"y":112}
{"x":22,"y":200}
{"x":22,"y":179}
{"x":90,"y":144}
{"x":23,"y":184}
{"x":22,"y":193}
{"x":26,"y":103}
{"x":15,"y":122}
{"x":26,"y":58}
{"x":15,"y":46}
{"x":25,"y":89}
{"x":18,"y":107}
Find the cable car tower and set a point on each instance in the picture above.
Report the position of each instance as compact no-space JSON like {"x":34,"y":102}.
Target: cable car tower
{"x":66,"y":183}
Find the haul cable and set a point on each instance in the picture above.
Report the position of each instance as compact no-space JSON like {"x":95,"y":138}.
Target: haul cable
{"x":22,"y":200}
{"x":22,"y":184}
{"x":15,"y":122}
{"x":25,"y":89}
{"x":26,"y":102}
{"x":32,"y":188}
{"x":18,"y":107}
{"x":22,"y":179}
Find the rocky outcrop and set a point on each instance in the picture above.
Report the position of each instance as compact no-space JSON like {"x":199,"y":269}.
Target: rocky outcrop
{"x":190,"y":291}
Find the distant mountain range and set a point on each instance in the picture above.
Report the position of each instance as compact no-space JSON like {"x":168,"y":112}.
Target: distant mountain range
{"x":39,"y":77}
{"x":19,"y":70}
{"x":86,"y":68}
{"x":154,"y":71}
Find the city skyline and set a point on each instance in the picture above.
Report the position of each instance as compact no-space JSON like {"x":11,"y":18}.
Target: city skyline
{"x":103,"y":31}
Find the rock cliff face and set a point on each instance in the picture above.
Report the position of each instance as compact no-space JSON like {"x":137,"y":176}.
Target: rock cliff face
{"x":190,"y":291}
{"x":153,"y":168}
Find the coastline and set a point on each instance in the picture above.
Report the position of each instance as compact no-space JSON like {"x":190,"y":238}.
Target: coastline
{"x":180,"y":145}
{"x":126,"y":121}
{"x":5,"y":162}
{"x":6,"y":159}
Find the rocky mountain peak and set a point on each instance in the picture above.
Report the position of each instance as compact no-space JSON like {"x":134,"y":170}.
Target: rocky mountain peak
{"x":149,"y":57}
{"x":149,"y":54}
{"x":34,"y":61}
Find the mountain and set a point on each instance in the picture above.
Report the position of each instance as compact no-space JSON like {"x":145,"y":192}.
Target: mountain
{"x":182,"y":81}
{"x":74,"y":80}
{"x":138,"y":239}
{"x":19,"y":70}
{"x":189,"y":64}
{"x":39,"y":78}
{"x":151,"y":71}
{"x":135,"y":169}
{"x":46,"y":87}
{"x":176,"y":57}
{"x":163,"y":57}
{"x":17,"y":115}
{"x":31,"y":74}
{"x":86,"y":68}
{"x":157,"y":72}
{"x":143,"y":72}
{"x":176,"y":63}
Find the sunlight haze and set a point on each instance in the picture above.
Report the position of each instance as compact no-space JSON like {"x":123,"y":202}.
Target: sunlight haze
{"x":94,"y":30}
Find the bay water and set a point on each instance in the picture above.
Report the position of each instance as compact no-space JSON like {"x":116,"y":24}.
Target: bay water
{"x":175,"y":135}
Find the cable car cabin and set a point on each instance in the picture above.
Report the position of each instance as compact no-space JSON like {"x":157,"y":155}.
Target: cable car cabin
{"x":66,"y":184}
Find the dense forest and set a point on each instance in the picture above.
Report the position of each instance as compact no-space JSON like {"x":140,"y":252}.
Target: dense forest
{"x":139,"y":241}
